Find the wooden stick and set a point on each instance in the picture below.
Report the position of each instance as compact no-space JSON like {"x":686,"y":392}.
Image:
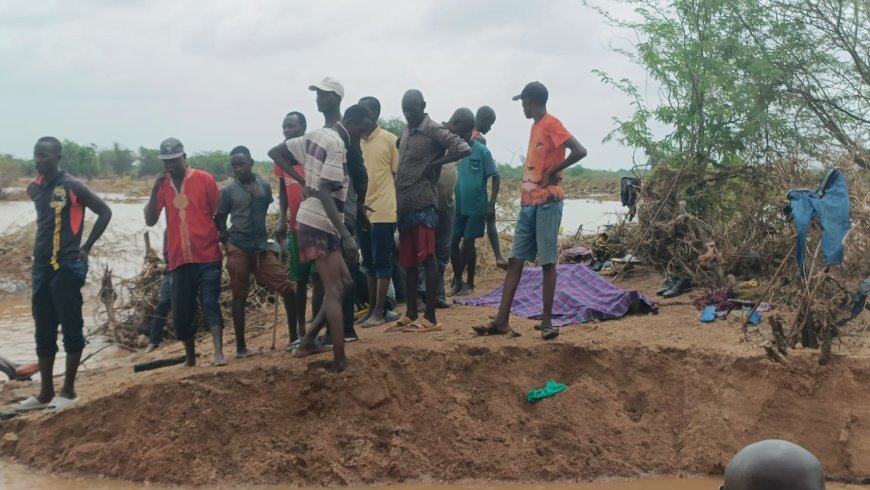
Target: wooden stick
{"x":275,"y":317}
{"x":769,"y":285}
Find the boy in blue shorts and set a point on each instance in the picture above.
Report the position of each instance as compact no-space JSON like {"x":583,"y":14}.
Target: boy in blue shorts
{"x":472,"y":205}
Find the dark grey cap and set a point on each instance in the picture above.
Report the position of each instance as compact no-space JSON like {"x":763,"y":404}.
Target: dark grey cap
{"x":534,"y":92}
{"x":171,"y":148}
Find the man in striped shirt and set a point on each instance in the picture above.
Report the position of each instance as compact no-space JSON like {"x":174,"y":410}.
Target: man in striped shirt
{"x":323,"y":236}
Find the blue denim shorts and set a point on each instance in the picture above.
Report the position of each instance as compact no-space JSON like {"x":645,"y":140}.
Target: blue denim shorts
{"x":469,"y":227}
{"x":378,"y":247}
{"x":537,"y":232}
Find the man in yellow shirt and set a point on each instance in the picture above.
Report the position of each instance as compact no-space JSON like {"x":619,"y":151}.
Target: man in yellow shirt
{"x":381,"y":156}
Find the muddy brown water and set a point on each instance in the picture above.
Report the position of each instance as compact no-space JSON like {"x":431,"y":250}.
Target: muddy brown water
{"x":16,"y":477}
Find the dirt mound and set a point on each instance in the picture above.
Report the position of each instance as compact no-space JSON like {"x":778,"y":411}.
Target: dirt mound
{"x":458,"y":413}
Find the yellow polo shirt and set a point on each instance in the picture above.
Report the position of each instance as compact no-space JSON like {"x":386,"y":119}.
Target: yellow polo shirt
{"x":382,"y":160}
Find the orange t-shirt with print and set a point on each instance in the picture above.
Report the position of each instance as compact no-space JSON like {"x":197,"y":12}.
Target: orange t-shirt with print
{"x":546,"y":150}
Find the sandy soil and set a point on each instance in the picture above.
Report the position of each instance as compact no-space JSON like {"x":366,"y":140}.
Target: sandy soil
{"x":658,"y":394}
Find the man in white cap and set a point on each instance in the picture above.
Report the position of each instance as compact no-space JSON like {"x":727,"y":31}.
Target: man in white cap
{"x":330,"y":93}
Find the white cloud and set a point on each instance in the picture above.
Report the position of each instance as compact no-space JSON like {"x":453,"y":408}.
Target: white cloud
{"x":222,"y":73}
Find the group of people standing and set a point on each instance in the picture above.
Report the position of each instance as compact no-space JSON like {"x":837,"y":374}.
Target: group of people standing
{"x":346,"y":189}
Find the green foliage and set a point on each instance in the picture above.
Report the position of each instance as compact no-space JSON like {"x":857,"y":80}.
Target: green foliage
{"x":80,"y":160}
{"x":507,"y":172}
{"x":216,"y":163}
{"x":116,"y":160}
{"x":149,"y":162}
{"x":11,"y":169}
{"x":394,"y":125}
{"x":747,"y":81}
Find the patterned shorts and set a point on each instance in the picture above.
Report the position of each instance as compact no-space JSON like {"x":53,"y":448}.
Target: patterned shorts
{"x":315,"y":244}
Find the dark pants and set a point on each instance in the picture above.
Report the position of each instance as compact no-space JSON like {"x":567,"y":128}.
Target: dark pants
{"x":194,"y":284}
{"x":57,"y":300}
{"x":347,"y":305}
{"x":161,"y":312}
{"x":443,"y":240}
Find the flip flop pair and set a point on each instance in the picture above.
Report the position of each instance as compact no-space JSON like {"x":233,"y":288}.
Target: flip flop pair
{"x":57,"y":404}
{"x":423,"y":326}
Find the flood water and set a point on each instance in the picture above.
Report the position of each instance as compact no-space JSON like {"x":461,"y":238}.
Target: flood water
{"x":15,"y":477}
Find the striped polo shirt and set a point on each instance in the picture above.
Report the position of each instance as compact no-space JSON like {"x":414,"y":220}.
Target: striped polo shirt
{"x":323,"y":155}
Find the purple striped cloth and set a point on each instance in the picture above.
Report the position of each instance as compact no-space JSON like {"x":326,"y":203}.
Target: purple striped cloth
{"x":581,"y":296}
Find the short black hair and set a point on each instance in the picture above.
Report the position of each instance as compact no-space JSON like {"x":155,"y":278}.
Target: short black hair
{"x":356,"y":113}
{"x":54,"y":141}
{"x":300,"y":116}
{"x":373,"y":103}
{"x":241,"y":149}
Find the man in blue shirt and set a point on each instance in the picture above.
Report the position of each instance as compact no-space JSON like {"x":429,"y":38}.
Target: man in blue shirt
{"x":472,"y":205}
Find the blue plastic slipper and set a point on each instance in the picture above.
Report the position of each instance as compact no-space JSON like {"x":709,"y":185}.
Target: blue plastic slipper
{"x":709,"y":314}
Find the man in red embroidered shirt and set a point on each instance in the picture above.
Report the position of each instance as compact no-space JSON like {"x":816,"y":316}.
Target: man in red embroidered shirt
{"x":190,"y":198}
{"x":541,"y":195}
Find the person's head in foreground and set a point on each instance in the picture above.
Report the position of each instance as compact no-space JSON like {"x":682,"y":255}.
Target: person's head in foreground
{"x":294,"y":125}
{"x":484,"y":119}
{"x":47,"y":153}
{"x":242,"y":163}
{"x":774,"y":465}
{"x":357,"y":121}
{"x":534,"y":97}
{"x":173,"y":157}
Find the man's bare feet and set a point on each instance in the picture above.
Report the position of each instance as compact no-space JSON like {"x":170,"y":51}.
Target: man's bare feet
{"x":339,"y":367}
{"x":364,"y":318}
{"x":306,"y":349}
{"x":493,"y":329}
{"x":245,"y":353}
{"x":27,"y":370}
{"x":373,"y":321}
{"x":150,"y":348}
{"x":465,"y":291}
{"x":219,"y":359}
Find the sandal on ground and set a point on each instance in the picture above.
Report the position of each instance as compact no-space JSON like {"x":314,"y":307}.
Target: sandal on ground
{"x":549,"y":333}
{"x":400,"y":324}
{"x":492,"y":329}
{"x":31,"y":403}
{"x":424,"y":326}
{"x":60,"y":403}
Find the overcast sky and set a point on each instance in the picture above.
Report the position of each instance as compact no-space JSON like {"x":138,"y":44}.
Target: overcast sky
{"x":217,"y":74}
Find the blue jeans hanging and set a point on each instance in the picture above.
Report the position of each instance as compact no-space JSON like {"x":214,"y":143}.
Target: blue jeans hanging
{"x":831,"y":204}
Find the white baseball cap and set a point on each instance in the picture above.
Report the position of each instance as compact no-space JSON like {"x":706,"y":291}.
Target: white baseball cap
{"x":329,"y":84}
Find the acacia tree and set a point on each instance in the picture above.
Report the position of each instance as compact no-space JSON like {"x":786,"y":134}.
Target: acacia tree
{"x":719,"y":100}
{"x":747,"y":81}
{"x":825,"y":55}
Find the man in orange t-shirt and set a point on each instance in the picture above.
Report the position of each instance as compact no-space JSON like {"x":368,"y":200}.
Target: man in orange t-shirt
{"x":541,"y":196}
